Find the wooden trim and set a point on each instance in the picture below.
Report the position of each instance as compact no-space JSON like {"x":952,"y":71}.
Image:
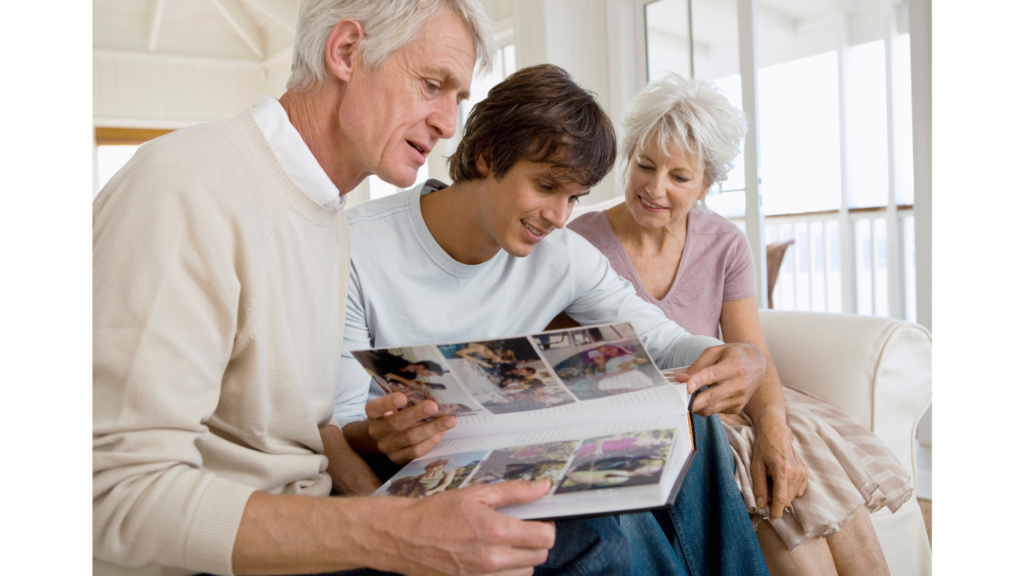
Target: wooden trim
{"x":127,"y":136}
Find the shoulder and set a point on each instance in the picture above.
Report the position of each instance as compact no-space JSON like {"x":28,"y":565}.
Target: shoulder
{"x":711,"y":223}
{"x":380,"y":211}
{"x":594,"y":227}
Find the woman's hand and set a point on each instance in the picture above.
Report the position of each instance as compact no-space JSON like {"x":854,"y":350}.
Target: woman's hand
{"x":773,"y":456}
{"x":732,"y":373}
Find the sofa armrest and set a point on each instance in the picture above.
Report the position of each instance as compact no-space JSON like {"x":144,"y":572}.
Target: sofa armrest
{"x":876,"y":370}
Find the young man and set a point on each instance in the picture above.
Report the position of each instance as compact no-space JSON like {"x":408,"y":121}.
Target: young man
{"x":487,"y":257}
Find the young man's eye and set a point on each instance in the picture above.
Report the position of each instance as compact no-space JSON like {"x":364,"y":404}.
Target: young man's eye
{"x":574,"y":199}
{"x":546,"y":187}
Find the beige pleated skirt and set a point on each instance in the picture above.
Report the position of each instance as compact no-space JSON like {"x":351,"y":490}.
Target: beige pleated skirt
{"x":848,"y":467}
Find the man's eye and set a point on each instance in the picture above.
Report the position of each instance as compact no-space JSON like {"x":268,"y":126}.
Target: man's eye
{"x":574,"y":199}
{"x":433,"y":87}
{"x":546,"y":187}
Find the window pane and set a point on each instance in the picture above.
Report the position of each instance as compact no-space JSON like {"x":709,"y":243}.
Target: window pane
{"x":799,"y":112}
{"x":909,"y":269}
{"x":668,"y":38}
{"x":111,"y":159}
{"x":783,"y":297}
{"x":862,"y":244}
{"x":732,"y":86}
{"x":803,"y":294}
{"x":835,"y":278}
{"x":881,"y":269}
{"x":817,"y":246}
{"x":868,"y":150}
{"x":380,"y":188}
{"x":903,"y":121}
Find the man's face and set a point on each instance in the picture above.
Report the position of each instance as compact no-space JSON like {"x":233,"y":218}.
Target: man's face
{"x":395,"y":115}
{"x":526,"y":205}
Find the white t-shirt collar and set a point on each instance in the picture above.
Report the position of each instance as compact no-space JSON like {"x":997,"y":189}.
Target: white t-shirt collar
{"x":295,"y":157}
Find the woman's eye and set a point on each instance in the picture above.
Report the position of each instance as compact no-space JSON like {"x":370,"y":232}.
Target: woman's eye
{"x":644,"y":168}
{"x":681,"y":180}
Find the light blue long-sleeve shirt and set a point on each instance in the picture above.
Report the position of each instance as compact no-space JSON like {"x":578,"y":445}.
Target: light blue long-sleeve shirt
{"x":404,"y":290}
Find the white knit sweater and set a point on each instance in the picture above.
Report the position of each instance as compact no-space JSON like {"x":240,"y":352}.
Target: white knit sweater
{"x":218,"y":305}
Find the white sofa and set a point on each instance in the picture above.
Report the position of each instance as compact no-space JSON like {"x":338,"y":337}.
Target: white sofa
{"x":878,"y":371}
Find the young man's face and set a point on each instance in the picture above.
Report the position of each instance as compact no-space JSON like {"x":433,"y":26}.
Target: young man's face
{"x":393,"y":116}
{"x":528,"y":203}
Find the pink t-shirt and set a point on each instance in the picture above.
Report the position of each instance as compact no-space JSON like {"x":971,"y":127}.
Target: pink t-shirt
{"x":717,"y":266}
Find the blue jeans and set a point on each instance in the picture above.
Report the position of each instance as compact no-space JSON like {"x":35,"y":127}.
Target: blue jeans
{"x":585,"y":547}
{"x":707,"y":531}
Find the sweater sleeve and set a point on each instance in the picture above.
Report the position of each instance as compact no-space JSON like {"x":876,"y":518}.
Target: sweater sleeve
{"x":165,"y":307}
{"x":352,"y":388}
{"x":603,"y":297}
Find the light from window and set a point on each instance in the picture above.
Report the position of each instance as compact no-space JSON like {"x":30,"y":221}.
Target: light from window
{"x":110,"y":159}
{"x":868,"y":142}
{"x":799,"y":120}
{"x":380,"y":188}
{"x":668,"y":41}
{"x":902,"y":121}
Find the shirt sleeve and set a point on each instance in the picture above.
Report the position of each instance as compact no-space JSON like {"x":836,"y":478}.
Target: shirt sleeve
{"x":165,"y":313}
{"x":351,"y":391}
{"x":739,"y":282}
{"x":602,"y":297}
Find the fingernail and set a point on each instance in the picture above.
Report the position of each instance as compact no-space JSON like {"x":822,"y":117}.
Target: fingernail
{"x":449,"y":422}
{"x":760,"y":503}
{"x":430,"y":409}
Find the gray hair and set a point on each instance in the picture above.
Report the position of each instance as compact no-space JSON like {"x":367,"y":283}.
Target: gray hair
{"x":388,"y":25}
{"x":688,"y":113}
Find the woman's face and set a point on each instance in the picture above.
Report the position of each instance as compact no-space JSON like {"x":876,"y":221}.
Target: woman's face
{"x":662,"y":188}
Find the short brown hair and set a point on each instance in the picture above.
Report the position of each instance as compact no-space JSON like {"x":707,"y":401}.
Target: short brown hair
{"x":538,"y":114}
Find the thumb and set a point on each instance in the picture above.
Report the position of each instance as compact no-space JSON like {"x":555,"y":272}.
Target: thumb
{"x":515,"y":492}
{"x":759,"y":482}
{"x":694,"y":380}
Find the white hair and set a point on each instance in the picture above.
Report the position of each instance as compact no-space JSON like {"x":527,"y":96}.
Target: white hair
{"x":685,"y":113}
{"x":388,"y":25}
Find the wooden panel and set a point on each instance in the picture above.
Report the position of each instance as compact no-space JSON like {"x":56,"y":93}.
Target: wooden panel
{"x":112,"y":136}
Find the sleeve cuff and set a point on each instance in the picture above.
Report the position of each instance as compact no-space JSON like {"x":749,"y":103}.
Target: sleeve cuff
{"x":211,"y":537}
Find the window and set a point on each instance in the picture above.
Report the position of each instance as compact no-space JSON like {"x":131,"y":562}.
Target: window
{"x":115,"y":147}
{"x":867,"y":140}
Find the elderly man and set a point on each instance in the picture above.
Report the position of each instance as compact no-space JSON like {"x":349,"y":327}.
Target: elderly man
{"x":220,"y":274}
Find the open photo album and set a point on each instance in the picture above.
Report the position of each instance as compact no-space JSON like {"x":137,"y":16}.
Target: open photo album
{"x":585,"y":408}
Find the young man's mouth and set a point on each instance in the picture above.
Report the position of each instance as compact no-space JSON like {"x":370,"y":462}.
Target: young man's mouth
{"x":535,"y":234}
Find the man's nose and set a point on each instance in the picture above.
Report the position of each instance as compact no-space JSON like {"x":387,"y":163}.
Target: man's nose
{"x":559,"y":213}
{"x":442,"y":119}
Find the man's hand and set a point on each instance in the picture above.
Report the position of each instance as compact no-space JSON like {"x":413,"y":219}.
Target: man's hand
{"x":732,"y":373}
{"x":773,"y":455}
{"x":350,"y":474}
{"x":458,"y":532}
{"x":400,"y":433}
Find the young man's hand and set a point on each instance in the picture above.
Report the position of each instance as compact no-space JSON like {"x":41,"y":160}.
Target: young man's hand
{"x":732,"y":373}
{"x":402,"y":434}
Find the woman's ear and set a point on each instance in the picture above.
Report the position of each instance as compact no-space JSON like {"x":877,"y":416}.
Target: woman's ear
{"x":705,"y":192}
{"x":341,"y":51}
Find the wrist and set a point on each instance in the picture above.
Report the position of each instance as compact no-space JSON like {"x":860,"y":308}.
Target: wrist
{"x":767,"y":418}
{"x":371,"y":522}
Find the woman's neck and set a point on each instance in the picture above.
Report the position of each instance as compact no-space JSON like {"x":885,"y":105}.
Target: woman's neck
{"x":666,"y":240}
{"x":452,"y":216}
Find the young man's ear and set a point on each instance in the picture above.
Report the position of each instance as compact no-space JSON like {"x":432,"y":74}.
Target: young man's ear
{"x":483,"y":164}
{"x":340,"y":53}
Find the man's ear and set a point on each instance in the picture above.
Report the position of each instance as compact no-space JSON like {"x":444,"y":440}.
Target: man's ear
{"x":483,"y":163}
{"x":340,"y":54}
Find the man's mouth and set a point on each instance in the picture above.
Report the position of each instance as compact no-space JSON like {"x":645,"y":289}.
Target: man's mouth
{"x":536,"y":234}
{"x":421,"y":150}
{"x":650,"y":205}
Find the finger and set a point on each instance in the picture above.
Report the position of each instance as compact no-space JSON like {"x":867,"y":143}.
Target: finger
{"x":707,"y":358}
{"x":394,"y":438}
{"x":379,"y":407}
{"x":403,"y":454}
{"x":404,"y":418}
{"x":504,"y":560}
{"x":722,"y":397}
{"x":780,"y":495}
{"x":514,"y":492}
{"x":716,"y":371}
{"x":759,"y":482}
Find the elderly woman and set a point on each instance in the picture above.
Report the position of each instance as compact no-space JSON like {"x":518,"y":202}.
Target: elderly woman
{"x":813,"y":472}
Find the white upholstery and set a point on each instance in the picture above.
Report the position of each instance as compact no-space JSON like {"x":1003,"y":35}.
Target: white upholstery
{"x":878,"y":371}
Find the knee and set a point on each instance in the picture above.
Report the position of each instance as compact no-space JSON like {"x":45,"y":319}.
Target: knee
{"x":588,"y":546}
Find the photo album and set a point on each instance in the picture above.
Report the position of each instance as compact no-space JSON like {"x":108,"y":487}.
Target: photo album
{"x":585,"y":408}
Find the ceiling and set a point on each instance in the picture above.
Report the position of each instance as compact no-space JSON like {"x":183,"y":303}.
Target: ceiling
{"x":253,"y":30}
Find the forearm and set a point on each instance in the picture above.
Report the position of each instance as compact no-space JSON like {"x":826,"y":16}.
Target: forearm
{"x":350,"y":474}
{"x":357,"y":435}
{"x":308,"y":535}
{"x":767,"y":401}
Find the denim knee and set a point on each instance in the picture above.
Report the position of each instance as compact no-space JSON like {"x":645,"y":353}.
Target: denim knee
{"x":587,"y":547}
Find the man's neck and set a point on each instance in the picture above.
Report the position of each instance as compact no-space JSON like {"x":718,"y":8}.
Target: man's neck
{"x":452,"y":216}
{"x":314,"y":114}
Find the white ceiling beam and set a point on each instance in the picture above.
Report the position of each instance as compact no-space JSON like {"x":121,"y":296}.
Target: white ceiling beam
{"x":165,"y":58}
{"x":154,"y":26}
{"x":242,"y":24}
{"x":281,"y":11}
{"x":776,"y":19}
